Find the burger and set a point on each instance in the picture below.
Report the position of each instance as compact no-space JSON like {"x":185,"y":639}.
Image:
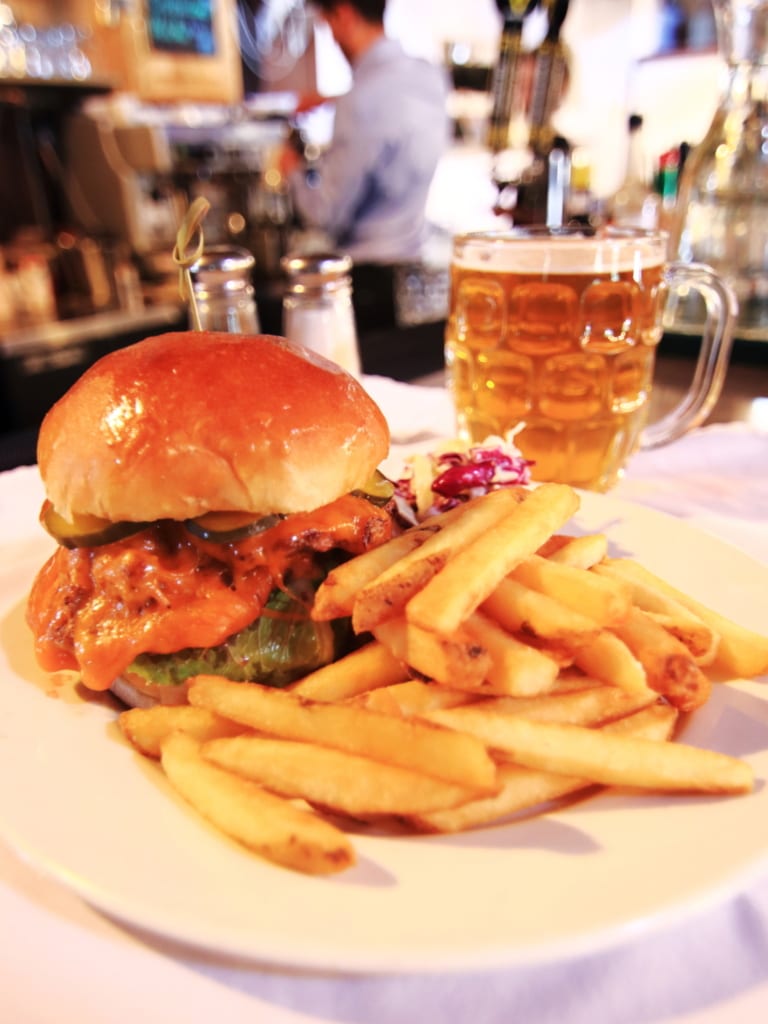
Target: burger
{"x":200,"y":486}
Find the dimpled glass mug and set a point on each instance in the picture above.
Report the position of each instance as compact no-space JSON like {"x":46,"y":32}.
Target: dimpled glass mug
{"x":553,"y":332}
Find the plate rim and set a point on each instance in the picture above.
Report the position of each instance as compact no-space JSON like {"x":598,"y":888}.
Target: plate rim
{"x":405,"y":961}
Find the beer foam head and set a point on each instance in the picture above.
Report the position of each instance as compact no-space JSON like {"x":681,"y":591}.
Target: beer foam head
{"x":544,"y":251}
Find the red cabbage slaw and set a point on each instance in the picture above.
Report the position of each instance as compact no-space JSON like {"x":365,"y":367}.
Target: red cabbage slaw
{"x":442,"y":479}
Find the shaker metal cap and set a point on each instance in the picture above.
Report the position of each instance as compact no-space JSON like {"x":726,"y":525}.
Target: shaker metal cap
{"x":316,"y":267}
{"x":222,"y":261}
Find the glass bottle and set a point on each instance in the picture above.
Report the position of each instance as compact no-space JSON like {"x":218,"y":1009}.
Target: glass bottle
{"x":722,"y":211}
{"x":666,"y":186}
{"x":635,"y":204}
{"x":317,"y":306}
{"x":222,"y":283}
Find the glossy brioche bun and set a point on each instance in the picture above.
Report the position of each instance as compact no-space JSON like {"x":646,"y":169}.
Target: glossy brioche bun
{"x":197,"y":421}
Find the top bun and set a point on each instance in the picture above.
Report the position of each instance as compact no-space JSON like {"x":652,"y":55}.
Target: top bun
{"x":191,"y":422}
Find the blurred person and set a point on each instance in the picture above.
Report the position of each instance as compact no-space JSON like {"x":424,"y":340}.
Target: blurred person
{"x":368,"y":191}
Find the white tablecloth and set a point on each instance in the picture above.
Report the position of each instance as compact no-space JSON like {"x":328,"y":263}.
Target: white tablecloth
{"x":61,"y":961}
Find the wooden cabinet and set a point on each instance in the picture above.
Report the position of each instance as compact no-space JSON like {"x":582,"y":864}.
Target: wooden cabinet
{"x":175,"y":51}
{"x":158,"y":50}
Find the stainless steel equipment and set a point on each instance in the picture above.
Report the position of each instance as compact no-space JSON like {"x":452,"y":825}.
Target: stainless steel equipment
{"x":118,"y":179}
{"x":135,"y":176}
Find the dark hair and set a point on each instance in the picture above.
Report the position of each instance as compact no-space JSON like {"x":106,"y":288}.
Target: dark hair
{"x":371,"y":10}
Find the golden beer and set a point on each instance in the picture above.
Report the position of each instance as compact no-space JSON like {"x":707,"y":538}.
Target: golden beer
{"x":555,"y":333}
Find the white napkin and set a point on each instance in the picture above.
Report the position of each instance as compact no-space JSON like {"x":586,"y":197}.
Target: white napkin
{"x":716,"y":477}
{"x":413,"y":412}
{"x":720,"y":468}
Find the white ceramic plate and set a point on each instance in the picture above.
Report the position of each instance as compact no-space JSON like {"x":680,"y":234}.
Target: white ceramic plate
{"x":78,"y":804}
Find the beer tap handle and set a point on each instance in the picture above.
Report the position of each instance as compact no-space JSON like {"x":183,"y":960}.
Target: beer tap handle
{"x":549,"y":73}
{"x":505,"y":76}
{"x":559,"y":9}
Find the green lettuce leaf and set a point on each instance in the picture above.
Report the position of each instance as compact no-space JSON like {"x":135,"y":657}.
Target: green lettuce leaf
{"x":275,"y":650}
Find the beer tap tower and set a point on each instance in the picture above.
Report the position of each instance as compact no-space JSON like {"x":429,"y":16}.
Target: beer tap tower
{"x":532,"y":82}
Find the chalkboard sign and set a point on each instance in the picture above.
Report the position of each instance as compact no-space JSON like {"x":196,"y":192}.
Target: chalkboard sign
{"x":182,"y":26}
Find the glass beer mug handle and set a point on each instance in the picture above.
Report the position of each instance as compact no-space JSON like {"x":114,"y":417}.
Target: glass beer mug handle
{"x":712,"y":364}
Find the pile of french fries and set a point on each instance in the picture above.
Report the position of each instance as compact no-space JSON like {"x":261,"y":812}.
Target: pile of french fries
{"x":503,"y":666}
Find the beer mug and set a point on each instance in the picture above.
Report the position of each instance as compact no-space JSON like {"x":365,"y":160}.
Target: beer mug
{"x":552,"y":334}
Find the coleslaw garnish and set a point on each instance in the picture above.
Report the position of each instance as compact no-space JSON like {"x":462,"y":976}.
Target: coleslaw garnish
{"x":458,"y":471}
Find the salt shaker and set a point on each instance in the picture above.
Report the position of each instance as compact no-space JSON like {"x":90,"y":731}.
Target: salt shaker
{"x":317,"y":306}
{"x":223,"y":290}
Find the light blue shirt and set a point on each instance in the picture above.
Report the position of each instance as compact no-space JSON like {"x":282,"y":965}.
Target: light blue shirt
{"x":389,"y":133}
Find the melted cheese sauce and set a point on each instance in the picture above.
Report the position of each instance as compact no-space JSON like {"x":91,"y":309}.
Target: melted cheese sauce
{"x":162,"y":590}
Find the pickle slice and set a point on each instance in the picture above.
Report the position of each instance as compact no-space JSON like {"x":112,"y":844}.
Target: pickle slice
{"x":85,"y":531}
{"x":377,"y":489}
{"x":227,"y":527}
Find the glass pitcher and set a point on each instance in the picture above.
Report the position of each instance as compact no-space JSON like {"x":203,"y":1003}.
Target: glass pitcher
{"x":722,"y":210}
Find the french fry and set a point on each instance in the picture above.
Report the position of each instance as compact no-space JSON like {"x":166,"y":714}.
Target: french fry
{"x":526,"y":788}
{"x":490,"y":720}
{"x":608,"y":658}
{"x":521,"y":789}
{"x":690,"y":629}
{"x":656,"y":722}
{"x":622,"y":761}
{"x":386,"y":596}
{"x":413,"y":697}
{"x":573,"y":679}
{"x":592,"y":706}
{"x":668,"y":665}
{"x":602,"y":600}
{"x":516,"y":668}
{"x":147,"y":728}
{"x":335,"y":597}
{"x":520,"y":609}
{"x":407,"y":742}
{"x":459,"y":587}
{"x":268,"y":824}
{"x":700,"y":643}
{"x":364,"y":669}
{"x":460,"y":660}
{"x":740,"y":652}
{"x":333,"y":780}
{"x":580,"y":552}
{"x":379,"y":700}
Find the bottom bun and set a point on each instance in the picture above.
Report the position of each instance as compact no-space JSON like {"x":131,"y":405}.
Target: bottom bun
{"x":138,"y":693}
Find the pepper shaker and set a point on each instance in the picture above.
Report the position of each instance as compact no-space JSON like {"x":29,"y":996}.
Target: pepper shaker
{"x":223,"y":290}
